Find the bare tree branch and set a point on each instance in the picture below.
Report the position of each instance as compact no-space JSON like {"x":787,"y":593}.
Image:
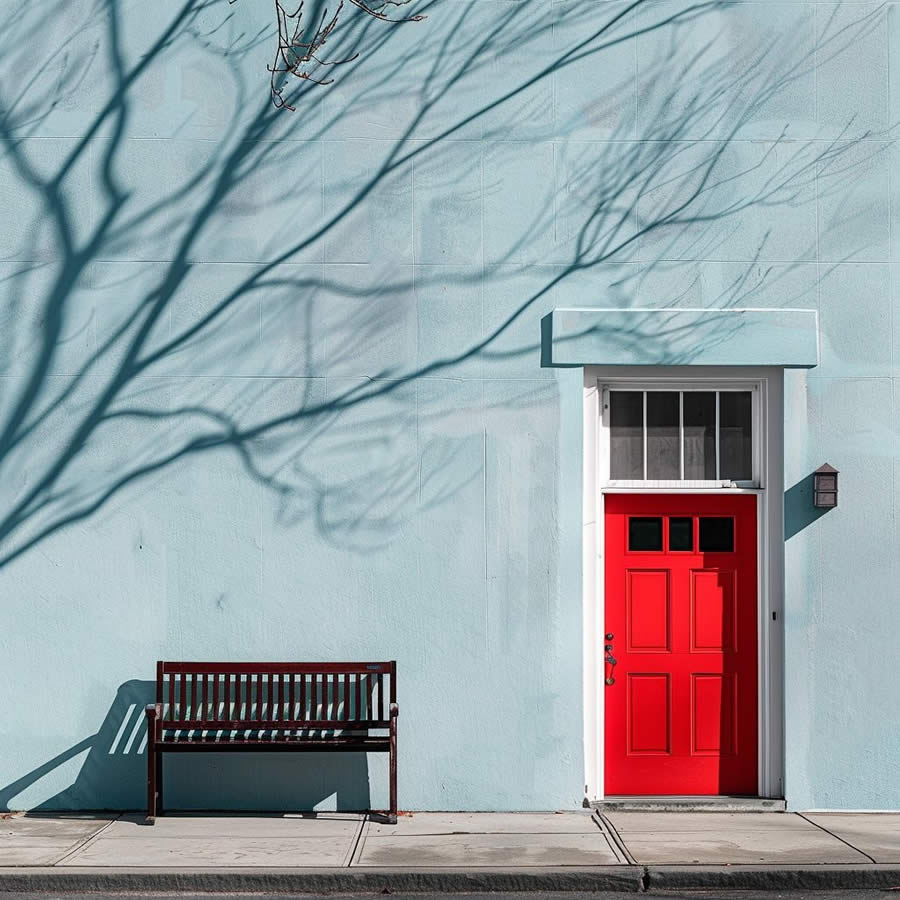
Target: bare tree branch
{"x":299,"y":58}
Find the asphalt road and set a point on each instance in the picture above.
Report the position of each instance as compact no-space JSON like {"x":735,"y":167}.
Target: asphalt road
{"x":666,"y":895}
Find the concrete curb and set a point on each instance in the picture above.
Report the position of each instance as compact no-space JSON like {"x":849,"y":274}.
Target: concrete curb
{"x":772,"y":878}
{"x":626,"y":879}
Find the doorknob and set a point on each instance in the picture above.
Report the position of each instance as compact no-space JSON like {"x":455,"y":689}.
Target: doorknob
{"x":610,"y":660}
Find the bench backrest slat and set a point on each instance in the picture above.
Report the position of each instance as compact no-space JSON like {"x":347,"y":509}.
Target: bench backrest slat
{"x":264,"y":696}
{"x":251,"y":668}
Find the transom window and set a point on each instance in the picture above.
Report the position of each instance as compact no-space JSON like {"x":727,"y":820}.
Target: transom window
{"x":689,"y":435}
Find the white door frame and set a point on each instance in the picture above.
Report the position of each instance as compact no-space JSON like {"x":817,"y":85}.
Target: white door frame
{"x":769,"y":381}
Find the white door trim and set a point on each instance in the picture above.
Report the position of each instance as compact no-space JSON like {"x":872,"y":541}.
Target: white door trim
{"x":770,"y":523}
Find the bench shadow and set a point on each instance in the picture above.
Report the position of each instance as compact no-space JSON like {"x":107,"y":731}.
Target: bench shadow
{"x":114,"y":773}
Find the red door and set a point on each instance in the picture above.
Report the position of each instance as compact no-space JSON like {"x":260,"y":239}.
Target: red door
{"x":681,"y":696}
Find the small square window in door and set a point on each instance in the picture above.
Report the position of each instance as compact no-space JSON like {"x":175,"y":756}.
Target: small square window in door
{"x":716,"y":534}
{"x":645,"y":533}
{"x":681,"y":533}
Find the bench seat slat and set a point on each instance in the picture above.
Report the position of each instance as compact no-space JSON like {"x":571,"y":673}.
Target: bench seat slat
{"x":241,"y":730}
{"x":297,"y":744}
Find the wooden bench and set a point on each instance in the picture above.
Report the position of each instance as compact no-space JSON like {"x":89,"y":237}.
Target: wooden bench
{"x":213,"y":706}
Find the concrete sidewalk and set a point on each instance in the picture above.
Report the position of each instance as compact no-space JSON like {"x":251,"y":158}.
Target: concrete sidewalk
{"x":628,"y":851}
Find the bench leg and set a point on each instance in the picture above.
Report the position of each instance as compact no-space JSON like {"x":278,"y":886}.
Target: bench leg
{"x":152,"y":757}
{"x":392,"y":815}
{"x":159,"y":784}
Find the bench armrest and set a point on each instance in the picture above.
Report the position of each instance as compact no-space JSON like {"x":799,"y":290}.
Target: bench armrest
{"x":153,"y":710}
{"x":395,"y":710}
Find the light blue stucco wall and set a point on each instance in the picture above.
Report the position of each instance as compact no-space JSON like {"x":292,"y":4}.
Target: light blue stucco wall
{"x":271,"y":382}
{"x":783,"y":338}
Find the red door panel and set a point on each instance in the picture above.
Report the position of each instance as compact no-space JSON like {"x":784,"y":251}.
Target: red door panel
{"x":681,"y":604}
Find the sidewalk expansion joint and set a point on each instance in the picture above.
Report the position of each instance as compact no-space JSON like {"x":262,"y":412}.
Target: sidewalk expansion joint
{"x":610,"y":829}
{"x":88,"y":840}
{"x":356,"y":849}
{"x":842,"y":840}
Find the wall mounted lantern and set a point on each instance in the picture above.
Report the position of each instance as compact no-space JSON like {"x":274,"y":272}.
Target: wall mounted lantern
{"x":826,"y":487}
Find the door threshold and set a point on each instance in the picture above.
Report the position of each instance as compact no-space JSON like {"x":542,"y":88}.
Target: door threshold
{"x":688,"y":803}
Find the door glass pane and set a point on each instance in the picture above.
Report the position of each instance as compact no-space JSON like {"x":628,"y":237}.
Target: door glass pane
{"x":626,"y":434}
{"x":716,"y":534}
{"x":700,"y":435}
{"x":645,"y":533}
{"x":681,"y":533}
{"x":735,"y":441}
{"x":663,"y":450}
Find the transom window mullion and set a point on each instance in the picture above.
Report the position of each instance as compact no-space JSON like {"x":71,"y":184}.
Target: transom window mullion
{"x":718,"y":470}
{"x":645,"y":433}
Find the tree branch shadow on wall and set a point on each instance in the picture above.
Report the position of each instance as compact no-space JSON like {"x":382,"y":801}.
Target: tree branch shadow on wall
{"x":123,"y":328}
{"x":86,"y":384}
